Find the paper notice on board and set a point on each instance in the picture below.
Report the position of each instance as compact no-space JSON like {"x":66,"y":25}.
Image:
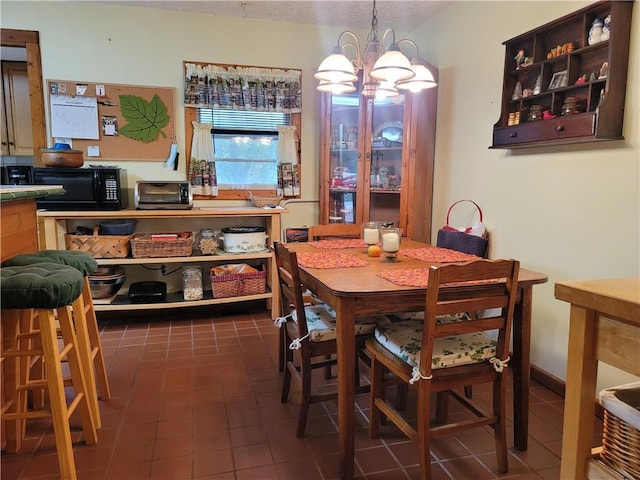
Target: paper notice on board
{"x":74,"y":117}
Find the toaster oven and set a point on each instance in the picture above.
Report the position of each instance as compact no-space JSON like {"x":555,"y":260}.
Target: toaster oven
{"x":162,"y":195}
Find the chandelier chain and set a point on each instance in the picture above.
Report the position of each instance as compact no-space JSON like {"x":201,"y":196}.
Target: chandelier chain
{"x":373,"y":34}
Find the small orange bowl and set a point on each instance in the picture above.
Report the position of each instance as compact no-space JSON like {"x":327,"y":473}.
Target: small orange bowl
{"x":62,"y":158}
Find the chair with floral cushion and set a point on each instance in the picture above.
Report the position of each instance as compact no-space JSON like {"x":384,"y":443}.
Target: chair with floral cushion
{"x":441,"y":355}
{"x":310,"y":335}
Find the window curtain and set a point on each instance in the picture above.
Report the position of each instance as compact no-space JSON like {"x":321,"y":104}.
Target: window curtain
{"x":286,"y":152}
{"x":202,"y":165}
{"x":287,"y":155}
{"x":242,"y":88}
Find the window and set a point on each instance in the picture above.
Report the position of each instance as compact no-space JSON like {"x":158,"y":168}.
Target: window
{"x":245,"y":145}
{"x":255,"y":114}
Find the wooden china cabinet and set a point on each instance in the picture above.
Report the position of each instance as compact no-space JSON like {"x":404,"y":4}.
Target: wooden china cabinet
{"x":376,"y":160}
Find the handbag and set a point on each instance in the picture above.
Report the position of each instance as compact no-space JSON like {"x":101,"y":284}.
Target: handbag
{"x":473,"y":240}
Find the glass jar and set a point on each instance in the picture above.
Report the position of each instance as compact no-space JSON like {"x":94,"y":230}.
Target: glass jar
{"x":192,"y":282}
{"x":206,"y":242}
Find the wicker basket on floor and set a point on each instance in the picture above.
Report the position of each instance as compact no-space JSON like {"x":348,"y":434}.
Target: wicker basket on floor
{"x":99,"y":246}
{"x":621,"y":429}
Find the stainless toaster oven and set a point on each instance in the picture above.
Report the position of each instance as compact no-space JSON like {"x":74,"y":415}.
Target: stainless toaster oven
{"x":163,"y":195}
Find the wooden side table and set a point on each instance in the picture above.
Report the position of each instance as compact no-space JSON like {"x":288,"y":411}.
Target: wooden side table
{"x":604,"y":326}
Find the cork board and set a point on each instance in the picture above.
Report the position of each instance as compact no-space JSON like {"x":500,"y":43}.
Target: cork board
{"x":118,"y":122}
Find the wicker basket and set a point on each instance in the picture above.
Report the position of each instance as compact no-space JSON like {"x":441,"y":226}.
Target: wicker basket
{"x":621,"y":429}
{"x":143,"y":245}
{"x":238,"y":284}
{"x":266,"y":201}
{"x":99,"y":246}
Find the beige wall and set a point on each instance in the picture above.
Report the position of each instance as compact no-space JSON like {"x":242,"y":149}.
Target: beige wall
{"x":571,"y":212}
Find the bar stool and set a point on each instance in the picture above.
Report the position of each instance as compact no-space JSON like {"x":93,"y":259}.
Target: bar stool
{"x":89,"y":345}
{"x":50,"y":289}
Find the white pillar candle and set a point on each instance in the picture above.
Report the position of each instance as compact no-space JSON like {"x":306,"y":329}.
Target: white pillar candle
{"x":371,"y":236}
{"x":390,"y":242}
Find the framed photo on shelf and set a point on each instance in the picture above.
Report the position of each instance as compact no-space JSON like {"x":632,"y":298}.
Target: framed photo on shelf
{"x":558,"y":80}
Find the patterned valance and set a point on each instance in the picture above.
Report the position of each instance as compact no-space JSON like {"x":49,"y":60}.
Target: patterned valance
{"x":242,"y":88}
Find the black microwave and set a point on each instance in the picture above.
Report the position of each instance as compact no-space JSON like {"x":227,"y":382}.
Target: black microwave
{"x":87,"y":188}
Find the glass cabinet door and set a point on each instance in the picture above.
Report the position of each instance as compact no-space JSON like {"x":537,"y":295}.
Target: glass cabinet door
{"x":344,"y":165}
{"x":384,"y":167}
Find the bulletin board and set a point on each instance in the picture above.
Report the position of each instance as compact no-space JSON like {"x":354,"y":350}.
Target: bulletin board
{"x":116,"y":122}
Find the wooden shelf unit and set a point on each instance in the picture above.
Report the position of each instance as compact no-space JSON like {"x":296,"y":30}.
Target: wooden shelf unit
{"x":604,"y":98}
{"x":54,"y":224}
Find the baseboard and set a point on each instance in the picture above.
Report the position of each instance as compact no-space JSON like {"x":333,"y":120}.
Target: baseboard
{"x":556,"y":385}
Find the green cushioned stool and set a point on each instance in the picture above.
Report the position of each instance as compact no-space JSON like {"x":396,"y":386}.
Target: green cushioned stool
{"x":78,"y":260}
{"x":86,"y":322}
{"x":47,"y":290}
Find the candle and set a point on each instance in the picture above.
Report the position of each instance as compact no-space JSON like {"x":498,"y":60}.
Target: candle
{"x":371,"y":236}
{"x":390,"y":242}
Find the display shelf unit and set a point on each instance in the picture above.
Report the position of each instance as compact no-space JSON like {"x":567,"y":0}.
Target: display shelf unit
{"x":54,"y":224}
{"x":377,"y":160}
{"x":565,"y":66}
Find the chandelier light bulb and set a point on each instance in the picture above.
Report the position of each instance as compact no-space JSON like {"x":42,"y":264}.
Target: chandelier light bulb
{"x":336,"y":88}
{"x":422,"y":80}
{"x":336,"y":68}
{"x":393,"y":66}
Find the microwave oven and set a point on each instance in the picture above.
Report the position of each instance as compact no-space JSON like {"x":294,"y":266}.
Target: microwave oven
{"x":86,"y":188}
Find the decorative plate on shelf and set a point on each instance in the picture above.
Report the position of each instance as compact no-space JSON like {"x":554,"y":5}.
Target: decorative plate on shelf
{"x":391,"y":132}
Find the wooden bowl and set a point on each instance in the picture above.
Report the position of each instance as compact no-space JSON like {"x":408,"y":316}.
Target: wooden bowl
{"x":62,"y":158}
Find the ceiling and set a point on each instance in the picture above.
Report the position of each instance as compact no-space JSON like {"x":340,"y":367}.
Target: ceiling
{"x":401,"y":15}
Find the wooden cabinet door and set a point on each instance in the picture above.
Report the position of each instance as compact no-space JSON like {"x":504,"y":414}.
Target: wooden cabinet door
{"x":18,"y":137}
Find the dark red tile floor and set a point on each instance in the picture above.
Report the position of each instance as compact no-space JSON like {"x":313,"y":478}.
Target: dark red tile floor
{"x":196,"y":395}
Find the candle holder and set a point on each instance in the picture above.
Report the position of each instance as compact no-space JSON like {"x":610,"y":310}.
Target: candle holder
{"x":390,"y":243}
{"x":370,"y":234}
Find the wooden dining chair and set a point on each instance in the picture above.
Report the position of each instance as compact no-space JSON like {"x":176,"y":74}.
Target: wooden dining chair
{"x":309,"y":333}
{"x":334,"y":230}
{"x":445,"y":354}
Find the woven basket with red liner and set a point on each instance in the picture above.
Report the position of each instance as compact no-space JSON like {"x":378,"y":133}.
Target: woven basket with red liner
{"x":153,"y":245}
{"x":236,"y":280}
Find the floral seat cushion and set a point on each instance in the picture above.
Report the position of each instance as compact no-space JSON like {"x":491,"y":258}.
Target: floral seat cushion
{"x":404,"y":340}
{"x":321,"y":322}
{"x":439,"y":320}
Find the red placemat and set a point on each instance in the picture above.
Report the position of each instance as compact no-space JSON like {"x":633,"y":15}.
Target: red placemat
{"x":329,"y":260}
{"x":339,"y":243}
{"x":437,"y":255}
{"x":419,"y":277}
{"x":407,"y":277}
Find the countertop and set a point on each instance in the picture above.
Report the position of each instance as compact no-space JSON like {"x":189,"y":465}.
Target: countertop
{"x":9,"y":193}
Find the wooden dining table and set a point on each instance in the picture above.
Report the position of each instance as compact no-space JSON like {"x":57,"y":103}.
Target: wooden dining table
{"x":357,"y":291}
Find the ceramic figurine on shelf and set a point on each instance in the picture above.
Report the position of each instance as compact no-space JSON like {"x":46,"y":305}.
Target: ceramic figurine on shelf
{"x":537,"y":89}
{"x":604,"y":69}
{"x":517,"y":92}
{"x":595,"y":32}
{"x":519,"y":58}
{"x":606,"y":29}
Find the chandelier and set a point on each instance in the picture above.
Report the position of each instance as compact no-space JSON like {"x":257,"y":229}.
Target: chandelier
{"x":383,"y":75}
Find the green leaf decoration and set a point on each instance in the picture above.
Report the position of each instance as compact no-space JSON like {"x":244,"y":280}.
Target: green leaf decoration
{"x":146,"y":119}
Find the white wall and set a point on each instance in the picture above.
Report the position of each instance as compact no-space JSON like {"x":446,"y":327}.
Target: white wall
{"x":571,"y":212}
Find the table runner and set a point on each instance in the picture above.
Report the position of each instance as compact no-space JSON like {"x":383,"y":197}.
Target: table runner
{"x":339,"y":243}
{"x":329,"y":260}
{"x":437,"y":255}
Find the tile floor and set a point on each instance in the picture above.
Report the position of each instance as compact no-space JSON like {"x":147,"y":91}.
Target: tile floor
{"x":196,"y":395}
